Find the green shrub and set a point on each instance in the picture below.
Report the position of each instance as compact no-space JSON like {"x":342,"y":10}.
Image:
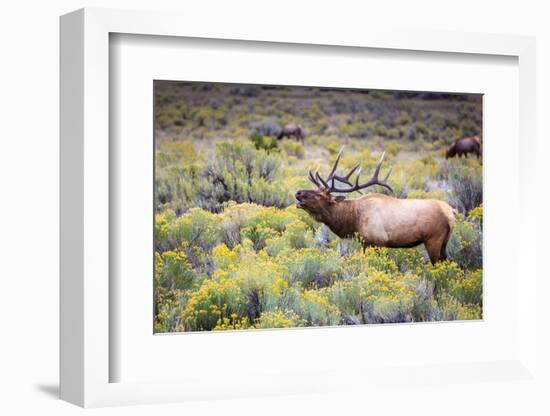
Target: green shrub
{"x":442,"y":275}
{"x":469,"y":289}
{"x":296,"y":235}
{"x":311,"y":266}
{"x":265,"y":128}
{"x":266,"y":224}
{"x":279,"y":319}
{"x":465,"y":182}
{"x":387,"y":299}
{"x":167,"y":313}
{"x":175,"y":271}
{"x":403,"y":119}
{"x":261,"y":281}
{"x":333,"y":148}
{"x":378,"y":259}
{"x":175,"y":186}
{"x":450,"y":309}
{"x":241,"y":173}
{"x":380,"y":298}
{"x":469,"y":312}
{"x":373,"y":259}
{"x":235,"y":217}
{"x":197,"y":228}
{"x":293,"y":149}
{"x":408,"y":259}
{"x":465,"y":245}
{"x":476,"y":215}
{"x":267,"y":143}
{"x":223,"y":257}
{"x":393,"y":149}
{"x":316,"y":309}
{"x":213,"y":302}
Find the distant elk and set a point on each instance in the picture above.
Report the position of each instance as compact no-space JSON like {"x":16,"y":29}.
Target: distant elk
{"x":379,"y":220}
{"x":463,"y":146}
{"x":292,"y":130}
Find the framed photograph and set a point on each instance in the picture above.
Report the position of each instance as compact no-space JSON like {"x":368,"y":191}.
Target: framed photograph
{"x":273,"y":214}
{"x":245,"y":239}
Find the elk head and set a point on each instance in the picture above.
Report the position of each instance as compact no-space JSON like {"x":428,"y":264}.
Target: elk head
{"x":451,"y":152}
{"x":318,"y":202}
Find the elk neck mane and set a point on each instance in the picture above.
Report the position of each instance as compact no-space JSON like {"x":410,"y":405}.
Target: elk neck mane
{"x":341,"y":218}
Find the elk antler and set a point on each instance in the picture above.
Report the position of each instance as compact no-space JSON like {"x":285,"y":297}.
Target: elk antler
{"x":321,"y":183}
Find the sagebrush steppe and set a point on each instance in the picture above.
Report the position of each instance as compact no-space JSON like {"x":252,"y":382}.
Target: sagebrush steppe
{"x":233,"y":252}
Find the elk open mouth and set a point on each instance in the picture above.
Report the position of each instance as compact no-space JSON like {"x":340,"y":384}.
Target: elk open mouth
{"x":299,"y":203}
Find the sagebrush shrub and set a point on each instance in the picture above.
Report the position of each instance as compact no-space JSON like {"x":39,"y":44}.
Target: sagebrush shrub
{"x":267,"y":143}
{"x":175,"y":187}
{"x":211,"y":303}
{"x":197,"y":228}
{"x":465,"y":245}
{"x":292,"y":148}
{"x":175,"y":271}
{"x":317,"y":310}
{"x":279,"y":319}
{"x":241,"y":173}
{"x":469,"y":289}
{"x":442,"y":275}
{"x":311,"y":266}
{"x":266,"y":224}
{"x":265,"y":128}
{"x":235,"y":217}
{"x":296,"y":235}
{"x":476,"y":216}
{"x":465,"y":183}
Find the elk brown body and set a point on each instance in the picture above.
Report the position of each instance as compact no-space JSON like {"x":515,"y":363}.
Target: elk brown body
{"x":378,"y":219}
{"x":463,"y":146}
{"x":290,"y":130}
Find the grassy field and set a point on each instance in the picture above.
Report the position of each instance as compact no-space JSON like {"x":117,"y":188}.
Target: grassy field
{"x":233,"y":252}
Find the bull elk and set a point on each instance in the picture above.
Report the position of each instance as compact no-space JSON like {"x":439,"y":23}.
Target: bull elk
{"x":292,"y":130}
{"x":463,"y":146}
{"x":378,"y":219}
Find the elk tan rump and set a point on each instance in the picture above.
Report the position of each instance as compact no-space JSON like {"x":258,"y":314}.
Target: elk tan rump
{"x":391,"y":222}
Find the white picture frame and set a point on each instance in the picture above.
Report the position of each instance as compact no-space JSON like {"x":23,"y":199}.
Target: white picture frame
{"x":86,"y":356}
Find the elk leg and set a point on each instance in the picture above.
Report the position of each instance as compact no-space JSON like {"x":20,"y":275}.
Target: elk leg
{"x":437,"y":246}
{"x":443,"y":253}
{"x":434,"y":248}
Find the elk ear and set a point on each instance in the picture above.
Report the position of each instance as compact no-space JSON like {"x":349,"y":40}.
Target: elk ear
{"x":339,"y":198}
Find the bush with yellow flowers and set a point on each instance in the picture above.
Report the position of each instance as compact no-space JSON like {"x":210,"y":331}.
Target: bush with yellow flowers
{"x":469,"y":289}
{"x":280,"y":270}
{"x":465,"y":245}
{"x":214,"y":301}
{"x":279,"y":319}
{"x":311,"y":267}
